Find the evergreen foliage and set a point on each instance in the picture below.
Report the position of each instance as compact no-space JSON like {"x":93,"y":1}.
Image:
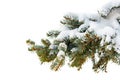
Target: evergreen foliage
{"x":77,"y":48}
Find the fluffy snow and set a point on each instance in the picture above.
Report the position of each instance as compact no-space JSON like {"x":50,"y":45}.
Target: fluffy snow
{"x":108,"y":7}
{"x":62,"y":46}
{"x":83,"y":27}
{"x":61,"y":53}
{"x":63,"y":35}
{"x":69,"y":34}
{"x":107,"y":28}
{"x":108,"y":33}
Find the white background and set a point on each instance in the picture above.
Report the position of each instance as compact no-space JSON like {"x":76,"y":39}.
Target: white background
{"x":24,"y":19}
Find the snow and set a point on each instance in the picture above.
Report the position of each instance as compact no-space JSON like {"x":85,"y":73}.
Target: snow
{"x":107,"y":33}
{"x":117,"y":45}
{"x":69,"y":34}
{"x":75,"y":34}
{"x":109,"y":47}
{"x":107,"y":28}
{"x":63,"y":35}
{"x":52,"y":46}
{"x":83,"y":27}
{"x":24,"y":19}
{"x":62,"y":46}
{"x":74,"y":50}
{"x":108,"y":7}
{"x":61,"y":53}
